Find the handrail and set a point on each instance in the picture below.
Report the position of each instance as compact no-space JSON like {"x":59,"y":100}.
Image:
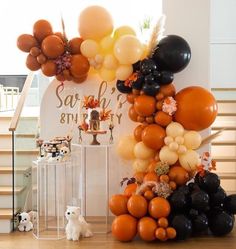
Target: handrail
{"x":24,"y":94}
{"x":223,"y":89}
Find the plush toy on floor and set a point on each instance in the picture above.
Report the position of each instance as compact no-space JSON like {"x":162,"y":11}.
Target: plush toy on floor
{"x":25,"y":225}
{"x":77,"y":226}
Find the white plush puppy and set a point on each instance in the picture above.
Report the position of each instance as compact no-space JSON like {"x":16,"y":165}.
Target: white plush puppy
{"x":76,"y":226}
{"x":64,"y":153}
{"x":24,"y":222}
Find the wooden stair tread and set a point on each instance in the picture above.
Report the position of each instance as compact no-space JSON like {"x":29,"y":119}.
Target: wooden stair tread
{"x":226,"y":101}
{"x":7,"y":190}
{"x":226,"y":114}
{"x":8,"y":169}
{"x":6,"y":213}
{"x":19,"y":151}
{"x":229,"y":128}
{"x":224,"y":142}
{"x":6,"y":134}
{"x":225,"y":158}
{"x":227,"y":176}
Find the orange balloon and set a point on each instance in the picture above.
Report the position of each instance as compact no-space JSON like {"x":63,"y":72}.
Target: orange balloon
{"x":171,"y":232}
{"x":124,"y":227}
{"x":151,"y":176}
{"x":80,"y":79}
{"x":74,"y":45}
{"x":130,"y":98}
{"x":162,"y":118}
{"x":60,"y":77}
{"x":35,"y":51}
{"x":25,"y":42}
{"x":130,"y":189}
{"x":52,"y":46}
{"x":138,"y":132}
{"x":159,"y":207}
{"x":161,"y":234}
{"x":139,"y":177}
{"x":133,"y":114}
{"x":145,"y":105}
{"x":196,"y":108}
{"x":168,"y":90}
{"x":60,"y":35}
{"x":163,"y":222}
{"x":148,"y":194}
{"x":49,"y":68}
{"x":41,"y":29}
{"x":41,"y":58}
{"x":118,"y":204}
{"x":137,"y":206}
{"x":179,"y":175}
{"x":79,"y":65}
{"x":153,"y":136}
{"x":146,"y":228}
{"x":32,"y":63}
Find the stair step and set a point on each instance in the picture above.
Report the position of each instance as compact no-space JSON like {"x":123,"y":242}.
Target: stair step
{"x":7,"y":190}
{"x":24,"y":135}
{"x":226,"y":101}
{"x":225,"y":159}
{"x":18,"y":170}
{"x":6,"y":213}
{"x":229,"y":128}
{"x":229,"y":114}
{"x":32,"y":151}
{"x":226,"y":143}
{"x":227,"y":176}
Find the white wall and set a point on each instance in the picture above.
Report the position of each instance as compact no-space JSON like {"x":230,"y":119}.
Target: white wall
{"x":223,"y":43}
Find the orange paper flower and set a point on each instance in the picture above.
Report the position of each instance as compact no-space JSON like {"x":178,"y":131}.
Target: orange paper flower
{"x":104,"y":115}
{"x":90,"y":102}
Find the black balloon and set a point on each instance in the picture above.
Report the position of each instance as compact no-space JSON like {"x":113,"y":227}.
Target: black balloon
{"x":178,"y":201}
{"x":147,"y":66}
{"x":136,"y":66}
{"x":122,"y":87}
{"x":217,"y":198}
{"x":183,"y":226}
{"x":200,"y":200}
{"x":184,"y":189}
{"x":230,"y":204}
{"x":193,"y":213}
{"x":138,"y":84}
{"x":200,"y":223}
{"x":210,"y":182}
{"x":151,"y":88}
{"x":172,"y":54}
{"x":166,"y":77}
{"x":221,"y":224}
{"x":149,"y":78}
{"x":193,"y":186}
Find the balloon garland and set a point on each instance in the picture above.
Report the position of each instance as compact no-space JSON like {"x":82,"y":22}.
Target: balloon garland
{"x":173,"y":194}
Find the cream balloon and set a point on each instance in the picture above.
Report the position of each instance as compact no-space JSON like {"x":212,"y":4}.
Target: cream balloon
{"x":141,"y":151}
{"x":125,"y":147}
{"x":189,"y":160}
{"x":99,"y":58}
{"x":179,"y":140}
{"x":168,"y":156}
{"x":173,"y":146}
{"x":128,"y":49}
{"x":107,"y":44}
{"x":123,"y":72}
{"x":140,"y":165}
{"x":123,"y":30}
{"x":107,"y":75}
{"x":89,"y":48}
{"x":168,"y":140}
{"x":95,"y":22}
{"x":110,"y":62}
{"x":145,"y":51}
{"x":192,"y":140}
{"x":182,"y":149}
{"x":174,"y":130}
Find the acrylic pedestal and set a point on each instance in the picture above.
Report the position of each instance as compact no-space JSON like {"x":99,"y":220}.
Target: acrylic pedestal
{"x":95,"y":175}
{"x":55,"y":185}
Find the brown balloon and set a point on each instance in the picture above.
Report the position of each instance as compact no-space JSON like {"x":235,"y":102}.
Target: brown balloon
{"x":67,"y":74}
{"x":41,"y":58}
{"x":168,"y":90}
{"x":49,"y":68}
{"x":52,"y":46}
{"x":138,"y":132}
{"x":80,"y":79}
{"x":60,"y":77}
{"x":145,"y":105}
{"x":61,"y":36}
{"x":32,"y":63}
{"x":25,"y":42}
{"x":41,"y":29}
{"x":133,"y":114}
{"x":35,"y":51}
{"x":79,"y":65}
{"x":74,"y":45}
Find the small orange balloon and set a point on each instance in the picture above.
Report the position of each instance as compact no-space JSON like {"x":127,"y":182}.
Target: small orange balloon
{"x":130,"y":189}
{"x":118,"y":204}
{"x":49,"y":68}
{"x":168,"y":90}
{"x":137,"y":206}
{"x":67,"y":74}
{"x":171,"y":233}
{"x":74,"y":45}
{"x":79,"y":65}
{"x":148,"y":195}
{"x":41,"y":29}
{"x":130,"y":98}
{"x":196,"y":108}
{"x":25,"y":42}
{"x":52,"y":46}
{"x":41,"y":58}
{"x":124,"y":227}
{"x":80,"y":79}
{"x":179,"y":175}
{"x":138,"y":132}
{"x":61,"y":36}
{"x":60,"y":77}
{"x":146,"y":228}
{"x":163,"y":222}
{"x":164,"y":178}
{"x":153,"y":136}
{"x":159,"y":207}
{"x":162,"y":118}
{"x":139,"y":177}
{"x":32,"y":63}
{"x":161,"y":234}
{"x":35,"y":51}
{"x":133,"y":114}
{"x":145,"y":105}
{"x":151,"y":177}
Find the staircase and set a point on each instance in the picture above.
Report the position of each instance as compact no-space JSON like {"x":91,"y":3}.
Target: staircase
{"x":25,"y":152}
{"x":224,"y":147}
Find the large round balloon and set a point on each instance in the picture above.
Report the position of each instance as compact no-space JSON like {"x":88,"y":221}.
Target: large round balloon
{"x":125,"y":147}
{"x":52,"y":46}
{"x":95,"y":22}
{"x":25,"y":42}
{"x":49,"y":68}
{"x":183,"y":226}
{"x":41,"y":29}
{"x":145,"y":105}
{"x":32,"y":63}
{"x":196,"y":108}
{"x":172,"y":53}
{"x":79,"y":65}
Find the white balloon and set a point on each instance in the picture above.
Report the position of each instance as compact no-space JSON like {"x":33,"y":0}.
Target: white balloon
{"x":89,"y":48}
{"x":123,"y":72}
{"x":141,"y":151}
{"x":179,"y":140}
{"x":174,"y":130}
{"x":110,"y":62}
{"x":168,"y":156}
{"x":168,"y":140}
{"x":192,"y":140}
{"x":125,"y":147}
{"x":189,"y":160}
{"x":182,"y":149}
{"x":173,"y":146}
{"x":140,"y":165}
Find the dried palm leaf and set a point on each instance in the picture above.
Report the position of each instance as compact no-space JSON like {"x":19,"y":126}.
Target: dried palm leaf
{"x":210,"y":138}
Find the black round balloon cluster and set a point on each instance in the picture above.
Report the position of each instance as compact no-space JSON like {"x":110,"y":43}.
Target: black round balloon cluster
{"x":171,"y":55}
{"x":202,"y":207}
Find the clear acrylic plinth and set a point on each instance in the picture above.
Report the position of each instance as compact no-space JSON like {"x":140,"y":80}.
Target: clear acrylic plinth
{"x":95,"y":175}
{"x":55,"y":185}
